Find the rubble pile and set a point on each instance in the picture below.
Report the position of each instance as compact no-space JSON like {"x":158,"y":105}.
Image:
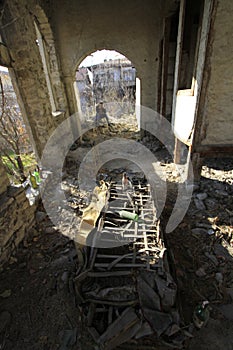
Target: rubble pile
{"x":123,"y":296}
{"x":123,"y":285}
{"x":202,"y":245}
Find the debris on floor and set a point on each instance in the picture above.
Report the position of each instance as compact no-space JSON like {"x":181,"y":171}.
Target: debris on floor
{"x":53,"y":299}
{"x":124,"y":287}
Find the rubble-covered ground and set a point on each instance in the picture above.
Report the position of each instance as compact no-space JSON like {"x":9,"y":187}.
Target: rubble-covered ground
{"x":37,"y":297}
{"x":202,"y":252}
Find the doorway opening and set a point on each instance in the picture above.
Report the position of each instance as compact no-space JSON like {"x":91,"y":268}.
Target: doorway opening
{"x":109,"y":77}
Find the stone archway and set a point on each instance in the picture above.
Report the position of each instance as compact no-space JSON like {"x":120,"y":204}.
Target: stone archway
{"x":109,"y":76}
{"x":28,"y":74}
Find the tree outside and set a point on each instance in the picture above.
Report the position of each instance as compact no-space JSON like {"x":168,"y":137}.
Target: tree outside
{"x":15,"y":148}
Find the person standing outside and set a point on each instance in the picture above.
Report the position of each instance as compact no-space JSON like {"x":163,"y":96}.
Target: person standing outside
{"x":101,"y":113}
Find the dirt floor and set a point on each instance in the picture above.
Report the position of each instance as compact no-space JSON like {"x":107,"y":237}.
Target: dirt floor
{"x":37,"y":299}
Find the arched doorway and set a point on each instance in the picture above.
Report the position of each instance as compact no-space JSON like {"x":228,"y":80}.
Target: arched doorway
{"x":110,"y":77}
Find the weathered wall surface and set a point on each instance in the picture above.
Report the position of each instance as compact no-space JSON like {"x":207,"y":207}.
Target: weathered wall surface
{"x":28,"y":70}
{"x":16,"y":218}
{"x":4,"y":182}
{"x":217,"y":124}
{"x":133,"y":28}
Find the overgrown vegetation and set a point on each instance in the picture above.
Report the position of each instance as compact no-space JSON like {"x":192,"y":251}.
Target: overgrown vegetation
{"x":15,"y":146}
{"x":29,"y":164}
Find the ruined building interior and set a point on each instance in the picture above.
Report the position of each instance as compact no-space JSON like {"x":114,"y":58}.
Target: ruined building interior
{"x":182,"y":51}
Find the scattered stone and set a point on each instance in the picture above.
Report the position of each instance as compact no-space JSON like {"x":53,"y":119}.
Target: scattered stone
{"x":64,"y":277}
{"x":40,"y":216}
{"x":211,"y":232}
{"x":6,"y":293}
{"x":211,"y":203}
{"x":212,"y":258}
{"x":199,"y":204}
{"x":221,"y":193}
{"x":219,"y":277}
{"x":49,"y":229}
{"x":200,"y":272}
{"x":201,"y":196}
{"x":68,"y":338}
{"x":199,"y":231}
{"x":204,"y":225}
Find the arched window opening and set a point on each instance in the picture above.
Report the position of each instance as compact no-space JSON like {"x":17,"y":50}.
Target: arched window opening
{"x":16,"y":150}
{"x":41,"y":46}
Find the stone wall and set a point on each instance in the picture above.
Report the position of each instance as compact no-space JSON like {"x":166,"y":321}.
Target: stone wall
{"x":16,"y":219}
{"x":4,"y":181}
{"x":217,"y":125}
{"x":27,"y":71}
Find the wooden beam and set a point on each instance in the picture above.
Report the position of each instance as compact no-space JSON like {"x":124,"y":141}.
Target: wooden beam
{"x":214,"y":150}
{"x":194,"y":173}
{"x":177,"y":151}
{"x":179,"y":48}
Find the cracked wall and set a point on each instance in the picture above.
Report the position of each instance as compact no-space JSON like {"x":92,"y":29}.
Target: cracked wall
{"x":217,"y":124}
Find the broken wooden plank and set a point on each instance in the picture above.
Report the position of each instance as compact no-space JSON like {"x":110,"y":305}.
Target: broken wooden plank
{"x":117,"y":303}
{"x":90,"y":314}
{"x":105,"y":274}
{"x":110,"y":315}
{"x":119,"y":265}
{"x":144,"y":330}
{"x":93,"y":332}
{"x":92,"y":212}
{"x":147,"y":295}
{"x":124,"y":336}
{"x":127,"y":317}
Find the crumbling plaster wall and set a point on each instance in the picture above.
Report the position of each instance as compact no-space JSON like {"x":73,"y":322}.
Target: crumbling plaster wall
{"x":217,"y":115}
{"x":133,"y":27}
